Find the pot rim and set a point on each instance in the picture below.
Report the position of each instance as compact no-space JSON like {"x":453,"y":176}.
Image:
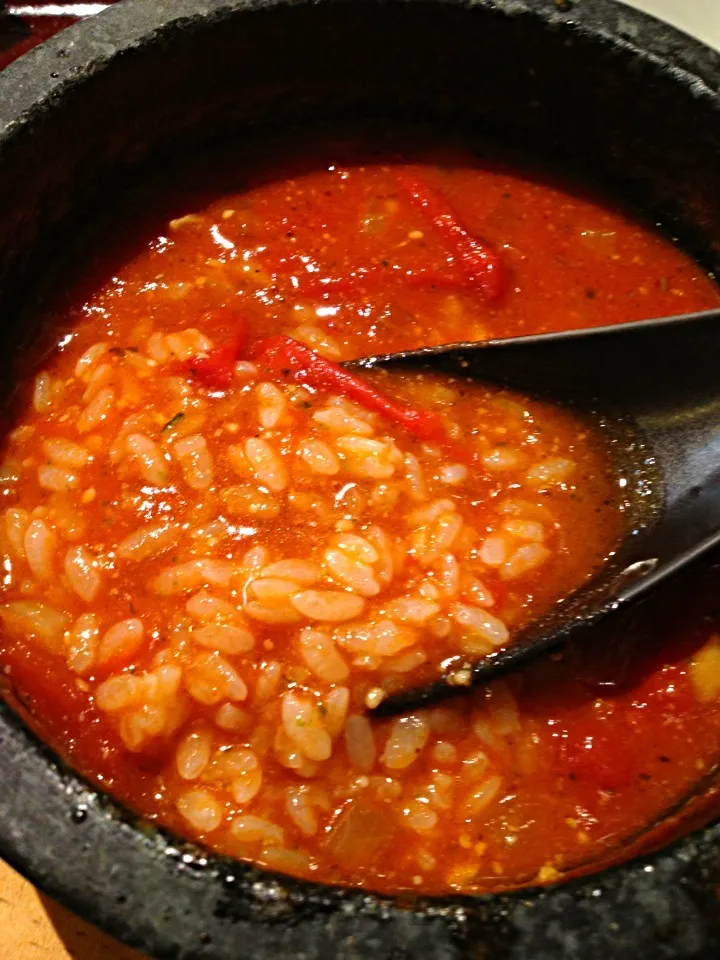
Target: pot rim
{"x":237,"y":895}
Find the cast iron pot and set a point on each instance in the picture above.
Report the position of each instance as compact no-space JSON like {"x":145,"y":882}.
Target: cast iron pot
{"x":622,"y":97}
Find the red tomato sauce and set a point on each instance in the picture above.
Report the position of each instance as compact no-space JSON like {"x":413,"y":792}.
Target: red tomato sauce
{"x":352,"y":253}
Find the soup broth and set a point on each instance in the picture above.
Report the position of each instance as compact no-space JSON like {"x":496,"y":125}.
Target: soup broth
{"x":220,"y":549}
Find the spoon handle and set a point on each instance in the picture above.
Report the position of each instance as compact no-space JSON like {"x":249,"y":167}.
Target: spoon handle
{"x":660,"y":377}
{"x":627,"y":360}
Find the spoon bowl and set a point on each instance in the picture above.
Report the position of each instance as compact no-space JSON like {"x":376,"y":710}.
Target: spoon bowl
{"x":653,"y":389}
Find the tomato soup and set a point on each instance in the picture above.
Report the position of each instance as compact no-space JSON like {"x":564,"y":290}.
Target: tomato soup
{"x":221,"y":548}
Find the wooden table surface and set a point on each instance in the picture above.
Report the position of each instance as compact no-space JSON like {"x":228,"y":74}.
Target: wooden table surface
{"x":33,"y":926}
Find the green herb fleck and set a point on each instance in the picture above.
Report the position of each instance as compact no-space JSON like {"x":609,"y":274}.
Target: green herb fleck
{"x":173,"y":422}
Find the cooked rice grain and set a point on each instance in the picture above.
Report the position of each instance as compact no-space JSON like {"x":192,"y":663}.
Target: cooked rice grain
{"x":251,"y":831}
{"x":97,"y":411}
{"x":39,"y":549}
{"x":82,"y":573}
{"x":320,"y":654}
{"x":195,"y":461}
{"x":246,"y":500}
{"x":152,"y":465}
{"x":329,"y":606}
{"x":319,"y":457}
{"x":193,"y":753}
{"x":302,"y":723}
{"x":478,"y":623}
{"x":408,"y":736}
{"x":225,"y":638}
{"x":360,"y":743}
{"x":266,"y":464}
{"x":121,"y":642}
{"x":210,"y":678}
{"x":148,"y":541}
{"x":524,"y":560}
{"x":37,"y":621}
{"x":200,"y":810}
{"x":81,"y":644}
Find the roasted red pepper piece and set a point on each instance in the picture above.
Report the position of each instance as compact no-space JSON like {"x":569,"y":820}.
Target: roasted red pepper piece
{"x":216,"y":368}
{"x":288,"y":357}
{"x":481,"y":264}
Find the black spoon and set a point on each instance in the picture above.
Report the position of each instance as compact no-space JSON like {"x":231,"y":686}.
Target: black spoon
{"x":654,"y":387}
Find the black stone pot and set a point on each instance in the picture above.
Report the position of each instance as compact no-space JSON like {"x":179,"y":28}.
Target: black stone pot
{"x":606,"y":90}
